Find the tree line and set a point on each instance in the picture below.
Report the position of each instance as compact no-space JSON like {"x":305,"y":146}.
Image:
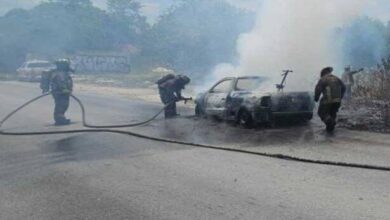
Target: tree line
{"x":192,"y":36}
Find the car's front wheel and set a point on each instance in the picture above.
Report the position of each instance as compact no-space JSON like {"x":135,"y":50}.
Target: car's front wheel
{"x":199,"y":111}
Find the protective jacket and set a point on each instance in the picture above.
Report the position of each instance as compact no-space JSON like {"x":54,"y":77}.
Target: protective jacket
{"x":331,"y":88}
{"x":173,"y":86}
{"x":58,"y":81}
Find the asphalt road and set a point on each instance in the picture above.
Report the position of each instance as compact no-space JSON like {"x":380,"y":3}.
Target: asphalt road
{"x":112,"y":176}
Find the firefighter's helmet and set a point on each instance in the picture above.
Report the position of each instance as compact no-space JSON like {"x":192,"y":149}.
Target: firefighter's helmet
{"x":184,"y":79}
{"x":62,"y":64}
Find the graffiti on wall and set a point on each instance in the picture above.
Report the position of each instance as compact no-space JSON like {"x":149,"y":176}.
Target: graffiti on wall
{"x":101,"y":63}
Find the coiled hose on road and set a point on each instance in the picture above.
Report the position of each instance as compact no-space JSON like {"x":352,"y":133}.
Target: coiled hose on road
{"x":105,"y":129}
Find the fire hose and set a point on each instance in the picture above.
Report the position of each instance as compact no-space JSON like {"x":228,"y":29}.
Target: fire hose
{"x":84,"y":117}
{"x":105,"y":129}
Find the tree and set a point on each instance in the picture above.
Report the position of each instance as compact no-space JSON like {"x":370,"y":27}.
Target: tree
{"x":127,"y":12}
{"x":124,"y":8}
{"x":73,"y":2}
{"x":365,"y":42}
{"x":52,"y":30}
{"x":196,"y":35}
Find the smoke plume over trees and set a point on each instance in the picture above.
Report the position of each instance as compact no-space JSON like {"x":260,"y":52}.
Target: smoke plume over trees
{"x":191,"y":37}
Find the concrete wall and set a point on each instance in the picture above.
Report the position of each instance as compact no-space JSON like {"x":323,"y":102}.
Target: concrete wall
{"x":90,"y":63}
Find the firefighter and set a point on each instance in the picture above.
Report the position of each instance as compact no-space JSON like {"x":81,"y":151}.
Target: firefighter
{"x":60,"y":83}
{"x":170,"y":87}
{"x":349,"y":81}
{"x":332,"y":90}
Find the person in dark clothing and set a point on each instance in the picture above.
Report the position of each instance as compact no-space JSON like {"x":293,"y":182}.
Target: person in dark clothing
{"x":60,"y":83}
{"x":170,"y":87}
{"x":332,"y":90}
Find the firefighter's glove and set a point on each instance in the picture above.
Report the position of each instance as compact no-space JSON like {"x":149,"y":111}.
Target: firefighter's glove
{"x":186,"y":100}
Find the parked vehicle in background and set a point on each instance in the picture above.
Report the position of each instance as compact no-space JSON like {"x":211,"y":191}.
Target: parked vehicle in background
{"x":31,"y":71}
{"x":243,"y":100}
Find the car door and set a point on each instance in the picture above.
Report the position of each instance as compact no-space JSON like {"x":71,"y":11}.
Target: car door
{"x":217,"y":96}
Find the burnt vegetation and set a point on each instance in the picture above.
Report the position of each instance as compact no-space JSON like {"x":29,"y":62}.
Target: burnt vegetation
{"x":375,"y":83}
{"x":369,"y":108}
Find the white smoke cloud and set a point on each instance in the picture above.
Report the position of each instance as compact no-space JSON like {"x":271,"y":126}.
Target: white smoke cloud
{"x":292,"y":34}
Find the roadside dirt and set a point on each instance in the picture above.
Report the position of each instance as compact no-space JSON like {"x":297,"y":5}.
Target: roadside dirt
{"x":365,"y":116}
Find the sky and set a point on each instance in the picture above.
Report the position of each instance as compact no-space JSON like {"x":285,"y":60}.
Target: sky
{"x":153,"y":8}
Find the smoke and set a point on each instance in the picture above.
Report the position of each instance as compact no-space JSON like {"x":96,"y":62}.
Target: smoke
{"x":292,"y":34}
{"x":364,"y":42}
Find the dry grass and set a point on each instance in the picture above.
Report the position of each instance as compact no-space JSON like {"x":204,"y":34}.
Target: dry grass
{"x":374,"y":84}
{"x":7,"y":76}
{"x":369,"y":108}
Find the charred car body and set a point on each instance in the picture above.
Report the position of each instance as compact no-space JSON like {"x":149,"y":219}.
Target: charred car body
{"x":240,"y":99}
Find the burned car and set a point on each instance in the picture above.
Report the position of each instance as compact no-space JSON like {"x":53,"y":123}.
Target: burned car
{"x":242,"y":100}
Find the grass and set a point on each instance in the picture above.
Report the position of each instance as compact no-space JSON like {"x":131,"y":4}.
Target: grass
{"x":119,"y":80}
{"x":369,"y":108}
{"x":7,"y":76}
